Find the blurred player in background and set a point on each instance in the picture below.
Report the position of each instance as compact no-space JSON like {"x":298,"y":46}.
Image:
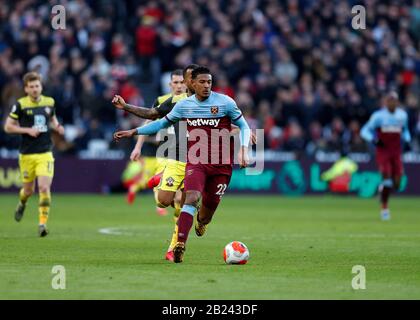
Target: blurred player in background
{"x":338,"y":176}
{"x":170,"y":178}
{"x":31,"y":117}
{"x":386,"y":129}
{"x":206,"y":112}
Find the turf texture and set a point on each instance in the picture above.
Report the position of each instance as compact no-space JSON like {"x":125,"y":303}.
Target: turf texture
{"x":300,"y":248}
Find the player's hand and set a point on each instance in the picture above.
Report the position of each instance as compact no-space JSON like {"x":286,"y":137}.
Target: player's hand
{"x":243,"y":157}
{"x":124,"y":134}
{"x":33,"y":132}
{"x":60,"y":129}
{"x":378,"y":143}
{"x":118,"y":102}
{"x":135,"y":154}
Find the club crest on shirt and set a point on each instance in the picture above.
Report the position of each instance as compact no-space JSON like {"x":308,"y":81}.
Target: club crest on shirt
{"x":214,"y":110}
{"x":48,"y":110}
{"x":170,"y":181}
{"x":190,"y":172}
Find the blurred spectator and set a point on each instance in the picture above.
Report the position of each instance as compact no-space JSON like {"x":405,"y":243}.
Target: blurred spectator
{"x":294,"y":139}
{"x":146,"y":44}
{"x":295,"y":67}
{"x":222,"y":86}
{"x":315,"y":141}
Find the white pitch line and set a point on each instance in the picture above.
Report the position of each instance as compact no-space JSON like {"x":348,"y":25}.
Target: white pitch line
{"x":115,"y":232}
{"x":131,"y":231}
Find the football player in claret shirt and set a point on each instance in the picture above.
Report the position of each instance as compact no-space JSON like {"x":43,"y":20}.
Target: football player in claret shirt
{"x":387,"y":129}
{"x":31,"y":117}
{"x":207,"y":114}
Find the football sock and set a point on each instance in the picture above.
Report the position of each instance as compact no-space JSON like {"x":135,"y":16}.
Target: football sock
{"x":44,"y":207}
{"x":22,"y":196}
{"x":174,"y":236}
{"x":185,"y":222}
{"x":174,"y":239}
{"x":385,"y":193}
{"x":177,"y":211}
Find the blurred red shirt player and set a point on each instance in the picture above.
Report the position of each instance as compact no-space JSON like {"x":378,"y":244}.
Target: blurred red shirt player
{"x":387,"y":128}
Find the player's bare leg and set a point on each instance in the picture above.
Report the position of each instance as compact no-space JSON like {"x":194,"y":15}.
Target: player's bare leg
{"x":214,"y":190}
{"x":393,"y":185}
{"x":165,"y":198}
{"x":24,"y":194}
{"x":135,"y":187}
{"x":204,"y":217}
{"x":160,"y":203}
{"x":397,"y":182}
{"x":44,"y":187}
{"x":185,"y":223}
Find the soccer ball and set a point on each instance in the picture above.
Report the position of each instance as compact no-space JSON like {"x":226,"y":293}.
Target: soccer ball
{"x":236,"y":252}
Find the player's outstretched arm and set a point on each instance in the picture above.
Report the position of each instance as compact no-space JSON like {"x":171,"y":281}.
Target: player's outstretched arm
{"x":406,"y":132}
{"x":12,"y":126}
{"x":368,"y":130}
{"x":57,"y":126}
{"x":244,"y":134}
{"x":147,"y":130}
{"x":136,"y":153}
{"x":146,"y":113}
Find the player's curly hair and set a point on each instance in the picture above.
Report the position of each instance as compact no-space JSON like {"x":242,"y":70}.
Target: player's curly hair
{"x":200,"y":70}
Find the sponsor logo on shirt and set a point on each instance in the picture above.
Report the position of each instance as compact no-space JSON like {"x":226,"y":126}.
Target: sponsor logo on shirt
{"x":203,"y":122}
{"x":391,"y":129}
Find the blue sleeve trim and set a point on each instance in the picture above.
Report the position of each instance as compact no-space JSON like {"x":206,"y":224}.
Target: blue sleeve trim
{"x":166,"y":117}
{"x":238,"y":117}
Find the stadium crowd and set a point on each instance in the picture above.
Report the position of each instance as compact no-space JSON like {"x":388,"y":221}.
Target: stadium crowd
{"x":297,"y":68}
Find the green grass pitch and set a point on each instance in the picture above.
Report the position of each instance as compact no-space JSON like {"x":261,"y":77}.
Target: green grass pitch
{"x":301,"y":248}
